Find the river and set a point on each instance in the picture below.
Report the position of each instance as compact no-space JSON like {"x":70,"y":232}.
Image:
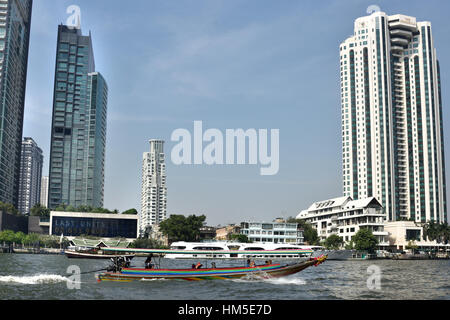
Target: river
{"x":45,"y":277}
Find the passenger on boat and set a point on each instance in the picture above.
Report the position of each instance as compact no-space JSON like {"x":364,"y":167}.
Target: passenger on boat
{"x":248,"y":263}
{"x":193,"y":266}
{"x":198,"y":265}
{"x":213,"y":265}
{"x":252,"y":264}
{"x":148,"y":262}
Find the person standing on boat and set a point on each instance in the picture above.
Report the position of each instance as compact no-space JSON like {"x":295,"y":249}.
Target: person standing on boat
{"x":198,"y":266}
{"x":148,"y":262}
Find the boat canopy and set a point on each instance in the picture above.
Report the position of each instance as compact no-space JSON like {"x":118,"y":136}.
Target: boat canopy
{"x":174,"y":251}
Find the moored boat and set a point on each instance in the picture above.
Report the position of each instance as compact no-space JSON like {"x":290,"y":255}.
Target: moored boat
{"x":230,"y":250}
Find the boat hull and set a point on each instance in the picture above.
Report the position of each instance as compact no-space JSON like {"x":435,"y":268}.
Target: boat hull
{"x":265,"y":271}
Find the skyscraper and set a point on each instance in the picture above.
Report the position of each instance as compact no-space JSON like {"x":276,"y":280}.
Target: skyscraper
{"x":154,"y":190}
{"x":30,"y":175}
{"x":15,"y":21}
{"x":44,"y":191}
{"x":78,"y":137}
{"x":393,"y":147}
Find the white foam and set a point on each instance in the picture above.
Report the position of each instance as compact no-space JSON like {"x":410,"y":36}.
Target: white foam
{"x":37,"y":279}
{"x":283,"y":281}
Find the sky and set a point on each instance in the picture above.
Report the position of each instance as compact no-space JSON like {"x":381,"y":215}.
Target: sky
{"x":253,"y":64}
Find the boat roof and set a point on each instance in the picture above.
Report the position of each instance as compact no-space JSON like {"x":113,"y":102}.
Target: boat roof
{"x":92,"y":243}
{"x":174,"y":251}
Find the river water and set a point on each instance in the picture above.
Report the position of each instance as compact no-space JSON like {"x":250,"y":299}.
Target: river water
{"x":46,"y":277}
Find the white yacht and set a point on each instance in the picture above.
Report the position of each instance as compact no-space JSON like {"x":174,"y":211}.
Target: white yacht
{"x":255,"y":250}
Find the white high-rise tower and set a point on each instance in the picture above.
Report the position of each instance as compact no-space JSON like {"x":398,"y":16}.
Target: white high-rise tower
{"x":154,"y":190}
{"x":392,"y":132}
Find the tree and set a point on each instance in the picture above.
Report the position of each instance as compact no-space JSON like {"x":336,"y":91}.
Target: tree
{"x":333,"y":242}
{"x":364,"y":240}
{"x":240,"y":238}
{"x":146,"y":243}
{"x":181,"y":228}
{"x":130,"y":211}
{"x":40,"y":211}
{"x":439,"y":232}
{"x":310,"y":235}
{"x":7,"y":236}
{"x":8,"y":208}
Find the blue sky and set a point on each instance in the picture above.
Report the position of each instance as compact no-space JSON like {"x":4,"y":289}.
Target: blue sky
{"x":231,"y":64}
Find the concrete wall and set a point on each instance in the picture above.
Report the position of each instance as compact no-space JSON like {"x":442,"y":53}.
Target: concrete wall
{"x":13,"y":223}
{"x":34,"y":227}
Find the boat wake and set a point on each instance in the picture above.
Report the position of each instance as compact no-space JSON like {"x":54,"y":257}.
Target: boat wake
{"x":275,"y":281}
{"x":284,"y":281}
{"x":37,"y":279}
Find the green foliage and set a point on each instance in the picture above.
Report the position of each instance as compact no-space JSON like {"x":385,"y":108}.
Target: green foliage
{"x":40,"y":211}
{"x":411,"y":245}
{"x":333,"y":242}
{"x":32,"y":239}
{"x":364,"y":240}
{"x":8,"y":208}
{"x":146,"y":243}
{"x":181,"y":228}
{"x":439,"y":232}
{"x":130,"y":211}
{"x":349,"y":245}
{"x":82,"y":208}
{"x":240,"y":238}
{"x":310,"y":235}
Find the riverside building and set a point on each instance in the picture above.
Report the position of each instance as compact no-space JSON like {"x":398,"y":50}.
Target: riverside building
{"x":392,"y":121}
{"x":345,"y":217}
{"x":15,"y":22}
{"x":78,"y":136}
{"x":30,"y":176}
{"x":272,"y":232}
{"x":154,"y":190}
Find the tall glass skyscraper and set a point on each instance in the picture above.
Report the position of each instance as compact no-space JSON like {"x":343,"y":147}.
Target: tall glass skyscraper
{"x":78,"y":137}
{"x":393,"y":142}
{"x":15,"y":21}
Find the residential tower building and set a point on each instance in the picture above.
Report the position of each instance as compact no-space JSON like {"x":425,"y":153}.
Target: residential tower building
{"x":15,"y":22}
{"x":392,"y":121}
{"x":154,"y":190}
{"x":30,"y":176}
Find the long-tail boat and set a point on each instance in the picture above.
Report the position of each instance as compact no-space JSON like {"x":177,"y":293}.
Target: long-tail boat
{"x":124,"y":273}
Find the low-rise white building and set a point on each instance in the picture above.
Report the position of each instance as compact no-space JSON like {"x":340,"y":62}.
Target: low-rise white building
{"x":272,"y":232}
{"x":405,"y":233}
{"x":344,"y":216}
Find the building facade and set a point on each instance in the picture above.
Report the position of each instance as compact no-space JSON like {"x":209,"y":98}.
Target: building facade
{"x":44,"y":191}
{"x":154,"y":190}
{"x":105,"y":225}
{"x":392,"y":132}
{"x":15,"y":22}
{"x":272,"y":232}
{"x":30,"y":175}
{"x":345,"y":217}
{"x":225,"y":233}
{"x":78,"y":136}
